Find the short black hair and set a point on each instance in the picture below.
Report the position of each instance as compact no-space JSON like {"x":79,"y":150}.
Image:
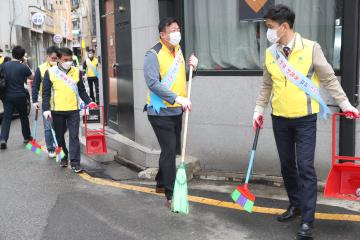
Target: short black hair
{"x":52,"y":49}
{"x":64,"y":52}
{"x":1,"y":50}
{"x":7,"y":59}
{"x":18,"y":52}
{"x":167,"y":21}
{"x":281,"y":13}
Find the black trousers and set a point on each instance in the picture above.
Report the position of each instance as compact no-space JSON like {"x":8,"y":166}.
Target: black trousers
{"x":295,"y":141}
{"x":20,"y":104}
{"x":63,"y":121}
{"x":168,"y":132}
{"x":94,"y":81}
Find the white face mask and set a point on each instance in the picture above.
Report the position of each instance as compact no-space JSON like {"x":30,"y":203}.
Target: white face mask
{"x":272,"y":35}
{"x":52,"y":63}
{"x":175,"y":38}
{"x":67,"y":65}
{"x":90,"y":55}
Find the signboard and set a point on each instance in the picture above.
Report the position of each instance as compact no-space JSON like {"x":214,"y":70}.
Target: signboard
{"x":254,"y":10}
{"x":49,"y":21}
{"x":93,"y":116}
{"x":57,"y":39}
{"x":38,"y":19}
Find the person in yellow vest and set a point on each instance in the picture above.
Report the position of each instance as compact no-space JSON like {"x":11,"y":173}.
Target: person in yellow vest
{"x":51,"y":60}
{"x":75,"y":61}
{"x":92,"y":75}
{"x":165,"y":76}
{"x":64,"y":86}
{"x":294,"y":69}
{"x":1,"y":56}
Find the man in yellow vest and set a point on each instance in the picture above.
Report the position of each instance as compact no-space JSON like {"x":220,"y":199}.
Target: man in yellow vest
{"x":165,"y":76}
{"x":51,"y":60}
{"x":294,"y":69}
{"x":64,"y":86}
{"x":90,"y":66}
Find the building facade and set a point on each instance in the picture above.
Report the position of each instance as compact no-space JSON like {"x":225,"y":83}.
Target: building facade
{"x":231,"y":50}
{"x":84,"y":30}
{"x":32,"y":24}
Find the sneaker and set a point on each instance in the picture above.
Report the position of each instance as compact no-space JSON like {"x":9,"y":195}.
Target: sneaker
{"x":52,"y":154}
{"x":26,"y":141}
{"x":3,"y":144}
{"x":77,"y":169}
{"x":64,"y":163}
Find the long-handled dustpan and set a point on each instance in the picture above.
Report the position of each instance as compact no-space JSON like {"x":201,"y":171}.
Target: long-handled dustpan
{"x":344,"y":178}
{"x":180,"y":202}
{"x":242,"y":195}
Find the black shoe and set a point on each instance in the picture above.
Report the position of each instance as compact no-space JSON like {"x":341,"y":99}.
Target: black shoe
{"x":3,"y":144}
{"x":305,"y":231}
{"x":160,"y":190}
{"x":77,"y":169}
{"x":26,"y":141}
{"x":64,"y":162}
{"x":290,"y":214}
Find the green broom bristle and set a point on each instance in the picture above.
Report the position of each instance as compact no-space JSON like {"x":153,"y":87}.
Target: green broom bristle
{"x":235,"y":195}
{"x":38,"y":151}
{"x":28,"y":146}
{"x":180,"y":202}
{"x":249,"y":205}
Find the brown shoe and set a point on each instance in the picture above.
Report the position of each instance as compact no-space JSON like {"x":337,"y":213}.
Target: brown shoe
{"x":168,"y":204}
{"x":160,"y":190}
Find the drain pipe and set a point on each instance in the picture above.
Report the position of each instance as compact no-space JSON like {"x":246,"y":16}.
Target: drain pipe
{"x":350,"y":72}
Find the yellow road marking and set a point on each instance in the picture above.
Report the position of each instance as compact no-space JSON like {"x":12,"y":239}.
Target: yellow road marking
{"x":217,"y":203}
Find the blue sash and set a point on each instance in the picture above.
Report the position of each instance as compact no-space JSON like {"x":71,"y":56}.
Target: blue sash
{"x":89,"y":64}
{"x":304,"y":83}
{"x":155,"y":101}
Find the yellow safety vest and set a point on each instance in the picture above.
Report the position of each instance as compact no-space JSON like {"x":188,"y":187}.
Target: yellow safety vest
{"x":288,"y":100}
{"x":43,"y":68}
{"x":166,"y":60}
{"x":1,"y":60}
{"x":63,"y":97}
{"x":89,"y":71}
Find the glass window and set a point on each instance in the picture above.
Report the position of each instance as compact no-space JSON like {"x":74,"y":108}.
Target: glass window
{"x":214,"y":32}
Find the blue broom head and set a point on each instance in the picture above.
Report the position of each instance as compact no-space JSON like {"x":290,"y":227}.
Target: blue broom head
{"x":180,"y":202}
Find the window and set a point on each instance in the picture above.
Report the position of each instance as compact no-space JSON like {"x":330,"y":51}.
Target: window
{"x":76,"y":25}
{"x":222,"y":42}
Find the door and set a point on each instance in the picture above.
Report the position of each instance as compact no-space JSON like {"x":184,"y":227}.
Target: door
{"x":121,"y":117}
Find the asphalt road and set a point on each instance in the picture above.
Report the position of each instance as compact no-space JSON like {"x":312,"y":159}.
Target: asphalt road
{"x":39,"y":200}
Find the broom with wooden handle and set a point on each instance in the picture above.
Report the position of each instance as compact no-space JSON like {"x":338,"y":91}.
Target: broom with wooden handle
{"x":180,"y":202}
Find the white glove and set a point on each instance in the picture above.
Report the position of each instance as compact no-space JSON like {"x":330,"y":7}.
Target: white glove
{"x":258,"y":117}
{"x":184,"y":102}
{"x":36,"y":105}
{"x":47,"y":115}
{"x":193,"y":61}
{"x":346,"y":107}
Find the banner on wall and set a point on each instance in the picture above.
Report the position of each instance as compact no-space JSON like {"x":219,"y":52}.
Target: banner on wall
{"x":254,"y":10}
